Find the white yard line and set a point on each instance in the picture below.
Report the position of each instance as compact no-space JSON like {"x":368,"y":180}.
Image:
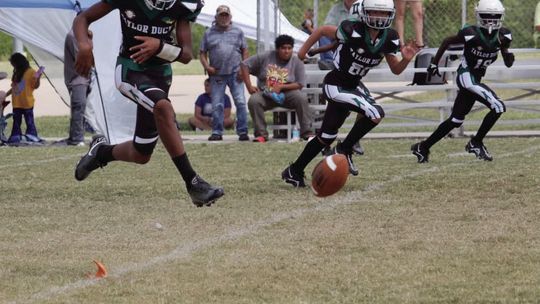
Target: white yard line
{"x":188,"y":249}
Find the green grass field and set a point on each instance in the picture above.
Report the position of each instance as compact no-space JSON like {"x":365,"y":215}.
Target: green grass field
{"x":456,"y":230}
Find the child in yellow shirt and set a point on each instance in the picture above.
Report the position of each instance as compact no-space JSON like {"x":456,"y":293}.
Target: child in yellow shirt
{"x":23,"y":83}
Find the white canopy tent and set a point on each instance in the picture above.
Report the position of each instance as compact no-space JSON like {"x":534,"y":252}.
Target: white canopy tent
{"x":43,"y":24}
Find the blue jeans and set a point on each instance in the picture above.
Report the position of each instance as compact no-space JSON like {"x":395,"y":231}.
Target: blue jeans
{"x":326,"y":56}
{"x":218,"y":84}
{"x":16,"y":132}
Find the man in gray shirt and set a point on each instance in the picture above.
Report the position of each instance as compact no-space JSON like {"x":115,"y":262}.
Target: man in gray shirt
{"x":223,"y":47}
{"x":280,"y":77}
{"x":78,"y":87}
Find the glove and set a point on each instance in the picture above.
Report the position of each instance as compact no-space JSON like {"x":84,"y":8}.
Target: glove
{"x":508,"y":59}
{"x":433,"y":70}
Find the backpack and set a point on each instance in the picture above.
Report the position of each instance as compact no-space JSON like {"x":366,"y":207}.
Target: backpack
{"x":423,"y":60}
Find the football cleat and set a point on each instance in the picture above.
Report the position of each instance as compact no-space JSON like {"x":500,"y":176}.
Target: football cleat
{"x":421,"y":153}
{"x":338,"y":150}
{"x":89,"y":161}
{"x":479,"y":150}
{"x":292,"y":177}
{"x":202,"y":193}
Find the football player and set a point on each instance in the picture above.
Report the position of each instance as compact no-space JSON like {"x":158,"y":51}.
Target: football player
{"x":144,"y":75}
{"x":482,"y":43}
{"x":362,"y":45}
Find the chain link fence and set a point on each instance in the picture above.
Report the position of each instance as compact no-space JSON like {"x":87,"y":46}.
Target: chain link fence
{"x":442,"y":18}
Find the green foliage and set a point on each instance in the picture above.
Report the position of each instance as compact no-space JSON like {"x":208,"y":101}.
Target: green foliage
{"x":6,"y":45}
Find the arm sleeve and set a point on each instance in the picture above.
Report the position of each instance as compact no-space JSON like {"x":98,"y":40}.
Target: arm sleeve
{"x":254,"y":64}
{"x":505,"y":37}
{"x":344,"y":31}
{"x":392,"y":43}
{"x":204,"y":42}
{"x":537,"y":15}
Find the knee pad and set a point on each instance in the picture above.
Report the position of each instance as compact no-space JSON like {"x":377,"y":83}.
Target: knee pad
{"x":326,"y":139}
{"x":145,"y":148}
{"x":456,"y":122}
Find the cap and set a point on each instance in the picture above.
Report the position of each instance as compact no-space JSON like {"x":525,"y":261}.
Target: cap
{"x":223,"y":9}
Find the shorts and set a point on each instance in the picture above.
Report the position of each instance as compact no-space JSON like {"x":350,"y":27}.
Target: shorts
{"x":145,"y":85}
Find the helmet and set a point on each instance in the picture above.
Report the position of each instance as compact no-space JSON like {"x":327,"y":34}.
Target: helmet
{"x":379,"y":22}
{"x":355,"y":10}
{"x":159,"y":5}
{"x":489,"y":14}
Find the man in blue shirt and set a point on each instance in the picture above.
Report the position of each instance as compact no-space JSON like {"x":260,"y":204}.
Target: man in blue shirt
{"x":223,"y":47}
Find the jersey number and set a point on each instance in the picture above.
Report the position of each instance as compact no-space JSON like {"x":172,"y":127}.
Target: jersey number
{"x":357,"y":69}
{"x":483,"y":63}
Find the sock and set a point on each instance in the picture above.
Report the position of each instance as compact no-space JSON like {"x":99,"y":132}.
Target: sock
{"x":488,"y":123}
{"x":444,"y":128}
{"x":361,"y":127}
{"x":104,"y":154}
{"x":311,"y":150}
{"x":184,"y":167}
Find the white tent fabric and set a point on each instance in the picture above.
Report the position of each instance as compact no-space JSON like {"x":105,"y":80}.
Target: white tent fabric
{"x":43,"y":24}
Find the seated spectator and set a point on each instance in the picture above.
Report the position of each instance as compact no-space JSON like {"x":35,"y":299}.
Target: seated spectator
{"x":307,"y":24}
{"x":536,"y":34}
{"x":417,"y":11}
{"x":280,"y":78}
{"x":23,"y":83}
{"x":202,"y":118}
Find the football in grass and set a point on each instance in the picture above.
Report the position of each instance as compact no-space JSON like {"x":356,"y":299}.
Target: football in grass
{"x":329,"y":175}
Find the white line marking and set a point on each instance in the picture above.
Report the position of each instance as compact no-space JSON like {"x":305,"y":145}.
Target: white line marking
{"x":186,"y":250}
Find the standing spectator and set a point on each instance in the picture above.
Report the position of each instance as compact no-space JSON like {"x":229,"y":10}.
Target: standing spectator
{"x":223,"y":47}
{"x":417,"y":11}
{"x":23,"y":83}
{"x":79,"y":88}
{"x":144,"y":75}
{"x":536,"y":34}
{"x":202,"y":118}
{"x":307,"y":24}
{"x":280,"y":77}
{"x":337,"y":13}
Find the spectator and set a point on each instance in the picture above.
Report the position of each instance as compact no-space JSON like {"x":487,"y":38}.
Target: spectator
{"x":223,"y":47}
{"x":337,"y":13}
{"x":417,"y":11}
{"x":23,"y":83}
{"x":536,"y":34}
{"x":307,"y":24}
{"x":202,"y":118}
{"x":280,"y":77}
{"x":79,"y":88}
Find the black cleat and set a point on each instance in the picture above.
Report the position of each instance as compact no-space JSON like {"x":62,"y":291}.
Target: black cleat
{"x":338,"y":150}
{"x":292,"y":177}
{"x":421,"y":153}
{"x":479,"y":150}
{"x":89,"y":161}
{"x":202,"y":193}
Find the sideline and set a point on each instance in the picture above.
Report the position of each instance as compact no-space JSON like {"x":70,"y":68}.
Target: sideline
{"x":187,"y":250}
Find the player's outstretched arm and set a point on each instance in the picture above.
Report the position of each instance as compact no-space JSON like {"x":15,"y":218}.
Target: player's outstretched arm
{"x":322,"y":49}
{"x":408,"y":51}
{"x":85,"y":59}
{"x":325,"y":30}
{"x":508,"y":57}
